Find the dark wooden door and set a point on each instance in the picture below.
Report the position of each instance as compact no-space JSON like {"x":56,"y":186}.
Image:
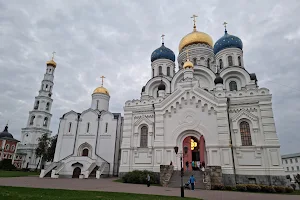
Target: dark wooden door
{"x":76,"y":172}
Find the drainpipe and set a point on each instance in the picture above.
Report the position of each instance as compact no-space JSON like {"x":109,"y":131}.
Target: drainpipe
{"x":153,"y":126}
{"x":230,"y":135}
{"x":116,"y":144}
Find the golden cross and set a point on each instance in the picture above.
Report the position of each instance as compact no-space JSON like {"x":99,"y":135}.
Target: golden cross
{"x":53,"y":54}
{"x":194,"y":16}
{"x":102,"y":77}
{"x":162,"y":38}
{"x":225,"y":23}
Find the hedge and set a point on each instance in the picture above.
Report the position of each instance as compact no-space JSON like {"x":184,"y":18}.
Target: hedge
{"x":140,"y":177}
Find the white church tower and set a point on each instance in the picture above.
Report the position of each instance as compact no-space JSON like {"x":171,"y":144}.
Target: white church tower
{"x":39,"y":118}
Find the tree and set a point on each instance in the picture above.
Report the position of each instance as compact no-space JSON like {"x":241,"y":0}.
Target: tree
{"x":297,"y":179}
{"x":51,"y":149}
{"x":42,"y":149}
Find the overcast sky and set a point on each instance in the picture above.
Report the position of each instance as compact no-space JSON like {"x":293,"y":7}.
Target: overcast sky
{"x":116,"y":38}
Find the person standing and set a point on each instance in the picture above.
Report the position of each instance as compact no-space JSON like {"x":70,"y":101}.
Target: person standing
{"x":148,"y":180}
{"x":192,"y":182}
{"x":187,"y":165}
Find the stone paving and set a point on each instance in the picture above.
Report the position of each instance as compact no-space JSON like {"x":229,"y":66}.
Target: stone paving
{"x":109,"y":185}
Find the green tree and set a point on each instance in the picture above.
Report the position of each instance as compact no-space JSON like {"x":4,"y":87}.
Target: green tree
{"x":42,"y":149}
{"x":297,"y":179}
{"x":51,"y":149}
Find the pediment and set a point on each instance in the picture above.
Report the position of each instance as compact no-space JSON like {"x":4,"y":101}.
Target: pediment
{"x":143,"y":119}
{"x":244,"y":114}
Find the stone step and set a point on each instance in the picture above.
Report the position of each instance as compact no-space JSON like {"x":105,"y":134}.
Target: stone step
{"x":175,"y":180}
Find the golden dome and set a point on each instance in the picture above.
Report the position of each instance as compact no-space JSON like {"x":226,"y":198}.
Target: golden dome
{"x":195,"y":37}
{"x":51,"y":62}
{"x":188,"y":64}
{"x":101,"y":90}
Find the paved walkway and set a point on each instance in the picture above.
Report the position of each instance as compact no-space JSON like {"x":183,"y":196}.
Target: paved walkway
{"x":107,"y":184}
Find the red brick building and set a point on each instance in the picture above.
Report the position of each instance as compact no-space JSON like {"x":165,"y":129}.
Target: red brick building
{"x":8,"y":148}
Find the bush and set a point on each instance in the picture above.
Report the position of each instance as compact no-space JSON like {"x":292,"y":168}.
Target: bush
{"x":139,"y":177}
{"x":293,"y":186}
{"x":267,"y":188}
{"x":217,"y":187}
{"x":241,"y":187}
{"x":289,"y":189}
{"x":6,"y":165}
{"x":253,"y":188}
{"x":230,"y":188}
{"x":279,"y":189}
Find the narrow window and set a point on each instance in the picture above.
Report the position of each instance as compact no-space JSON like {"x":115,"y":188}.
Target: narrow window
{"x":292,"y":168}
{"x":106,"y":127}
{"x":70,"y":126}
{"x":285,"y":161}
{"x":88,"y":127}
{"x":232,"y":86}
{"x":245,"y":134}
{"x":287,"y":169}
{"x":47,"y":106}
{"x":85,"y":152}
{"x":221,"y":63}
{"x":37,"y":105}
{"x":42,"y":87}
{"x":49,"y":70}
{"x":7,"y":147}
{"x":45,"y":123}
{"x":239,"y":60}
{"x":182,"y":64}
{"x":46,"y":87}
{"x":32,"y":120}
{"x":160,"y":70}
{"x":291,"y":160}
{"x":157,"y":93}
{"x":296,"y":160}
{"x":50,"y":88}
{"x":168,"y":71}
{"x":297,"y":168}
{"x":97,"y":104}
{"x":152,"y":72}
{"x":230,"y":63}
{"x":12,"y":148}
{"x":208,"y":63}
{"x":144,"y":137}
{"x":195,"y":61}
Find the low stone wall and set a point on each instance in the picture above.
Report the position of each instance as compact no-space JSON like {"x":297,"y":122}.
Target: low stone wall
{"x":229,"y":179}
{"x":166,"y":172}
{"x":213,"y":176}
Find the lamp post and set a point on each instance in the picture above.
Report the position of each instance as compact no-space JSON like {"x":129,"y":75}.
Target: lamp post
{"x":181,"y":166}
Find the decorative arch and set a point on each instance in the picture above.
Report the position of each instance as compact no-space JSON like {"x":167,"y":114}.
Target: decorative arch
{"x":153,"y":84}
{"x":237,"y":73}
{"x":82,"y":151}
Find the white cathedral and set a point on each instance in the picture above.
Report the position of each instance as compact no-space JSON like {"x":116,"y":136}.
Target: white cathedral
{"x":211,"y":106}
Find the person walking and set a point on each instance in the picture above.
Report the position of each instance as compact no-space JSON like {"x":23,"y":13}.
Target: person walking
{"x":192,"y":182}
{"x":148,"y":180}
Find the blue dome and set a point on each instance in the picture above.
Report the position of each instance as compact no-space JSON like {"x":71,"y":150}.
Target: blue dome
{"x":228,"y":41}
{"x":163,"y":53}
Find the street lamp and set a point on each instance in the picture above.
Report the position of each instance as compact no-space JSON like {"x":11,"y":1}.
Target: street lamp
{"x":181,"y":165}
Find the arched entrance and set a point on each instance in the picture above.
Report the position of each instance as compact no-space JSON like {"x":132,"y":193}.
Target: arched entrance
{"x":195,"y":155}
{"x":76,"y":172}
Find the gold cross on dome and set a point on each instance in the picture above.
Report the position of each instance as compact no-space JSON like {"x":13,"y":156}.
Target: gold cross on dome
{"x":102,"y":77}
{"x":162,"y":38}
{"x":53,"y":54}
{"x":224,"y":24}
{"x":194,"y":16}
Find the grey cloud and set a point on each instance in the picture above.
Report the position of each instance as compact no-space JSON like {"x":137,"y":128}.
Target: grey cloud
{"x":116,"y":39}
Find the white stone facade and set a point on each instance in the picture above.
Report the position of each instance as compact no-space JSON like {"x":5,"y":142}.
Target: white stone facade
{"x":39,"y":120}
{"x":291,"y":164}
{"x":192,"y":105}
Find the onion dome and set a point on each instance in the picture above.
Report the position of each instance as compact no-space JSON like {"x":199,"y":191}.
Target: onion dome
{"x":5,"y":133}
{"x":253,"y":76}
{"x":194,"y":38}
{"x":101,"y":90}
{"x":161,"y":86}
{"x":143,"y":89}
{"x":188,"y":64}
{"x":163,"y":53}
{"x":51,"y":62}
{"x":218,"y":80}
{"x":228,"y":41}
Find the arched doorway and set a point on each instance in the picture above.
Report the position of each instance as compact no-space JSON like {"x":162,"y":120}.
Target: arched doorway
{"x":76,"y":172}
{"x":195,"y":155}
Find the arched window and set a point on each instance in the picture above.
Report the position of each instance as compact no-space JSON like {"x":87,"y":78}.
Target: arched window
{"x":240,"y":61}
{"x":152,"y":72}
{"x":47,"y":106}
{"x":168,"y":71}
{"x":45,"y":123}
{"x":12,"y":148}
{"x":230,"y":63}
{"x":245,"y":134}
{"x":157,"y":93}
{"x":37,"y":103}
{"x":7,"y":147}
{"x":70,"y":126}
{"x":232,"y":86}
{"x":88,"y":127}
{"x":97,"y":106}
{"x":32,"y":120}
{"x":46,"y":87}
{"x":85,"y":152}
{"x":208,"y":62}
{"x":221,"y":63}
{"x":106,"y":127}
{"x":160,"y":70}
{"x":195,"y":61}
{"x":144,"y":136}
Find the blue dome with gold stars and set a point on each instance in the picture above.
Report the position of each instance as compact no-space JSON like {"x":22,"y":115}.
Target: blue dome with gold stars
{"x":228,"y":41}
{"x":163,"y":53}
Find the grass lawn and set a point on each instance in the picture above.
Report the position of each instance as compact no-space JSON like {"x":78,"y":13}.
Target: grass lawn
{"x":17,"y":173}
{"x":18,"y":193}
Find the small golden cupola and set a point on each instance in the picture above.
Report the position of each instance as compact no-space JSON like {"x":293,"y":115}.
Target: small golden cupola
{"x":188,"y":63}
{"x":52,"y":62}
{"x":101,"y":89}
{"x":195,"y":37}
